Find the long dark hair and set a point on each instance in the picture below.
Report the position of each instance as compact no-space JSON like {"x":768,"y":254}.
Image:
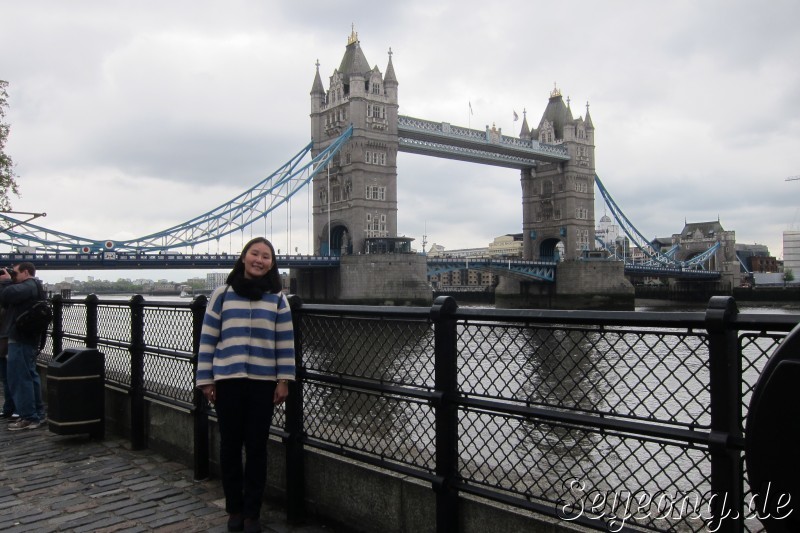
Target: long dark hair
{"x":271,"y":281}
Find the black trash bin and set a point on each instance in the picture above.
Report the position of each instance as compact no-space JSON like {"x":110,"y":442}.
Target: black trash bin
{"x":76,"y":393}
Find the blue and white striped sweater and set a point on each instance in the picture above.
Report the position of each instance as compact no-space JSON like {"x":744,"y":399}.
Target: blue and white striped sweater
{"x":242,"y":338}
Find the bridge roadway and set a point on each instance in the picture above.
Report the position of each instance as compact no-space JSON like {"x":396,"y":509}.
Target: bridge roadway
{"x":515,"y":268}
{"x":441,"y":139}
{"x":161,"y":261}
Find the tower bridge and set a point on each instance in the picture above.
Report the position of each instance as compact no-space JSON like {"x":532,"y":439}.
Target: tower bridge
{"x":356,"y":134}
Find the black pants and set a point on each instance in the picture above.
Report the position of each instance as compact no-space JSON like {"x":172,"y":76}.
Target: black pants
{"x":244,"y":410}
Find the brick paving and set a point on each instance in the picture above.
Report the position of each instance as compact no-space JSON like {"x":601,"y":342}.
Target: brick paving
{"x":52,"y":482}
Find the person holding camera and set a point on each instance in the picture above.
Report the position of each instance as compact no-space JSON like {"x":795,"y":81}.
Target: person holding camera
{"x":19,"y":290}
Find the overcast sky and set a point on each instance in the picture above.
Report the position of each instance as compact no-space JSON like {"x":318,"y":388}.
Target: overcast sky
{"x":128,"y":117}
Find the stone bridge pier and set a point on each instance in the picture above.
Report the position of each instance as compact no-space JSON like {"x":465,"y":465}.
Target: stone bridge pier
{"x":580,"y":284}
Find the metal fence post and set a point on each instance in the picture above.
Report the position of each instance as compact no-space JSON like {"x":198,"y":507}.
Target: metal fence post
{"x":57,"y":331}
{"x":725,"y":377}
{"x":91,"y":321}
{"x":138,"y":439}
{"x":200,"y":407}
{"x":446,"y":387}
{"x":295,"y":466}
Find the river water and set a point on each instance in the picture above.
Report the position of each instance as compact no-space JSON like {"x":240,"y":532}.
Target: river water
{"x":641,"y":305}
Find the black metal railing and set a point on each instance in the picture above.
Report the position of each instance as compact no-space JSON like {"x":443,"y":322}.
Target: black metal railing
{"x":613,"y":420}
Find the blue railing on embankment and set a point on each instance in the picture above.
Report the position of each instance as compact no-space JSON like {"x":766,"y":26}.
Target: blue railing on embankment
{"x":570,"y":414}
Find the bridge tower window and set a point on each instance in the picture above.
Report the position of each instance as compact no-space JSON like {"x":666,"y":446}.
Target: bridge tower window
{"x":375,"y":158}
{"x":376,"y":225}
{"x":375,"y":192}
{"x":376,"y":111}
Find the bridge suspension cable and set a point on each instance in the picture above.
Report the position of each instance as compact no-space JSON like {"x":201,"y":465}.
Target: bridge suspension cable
{"x":232,"y":216}
{"x":656,"y":256}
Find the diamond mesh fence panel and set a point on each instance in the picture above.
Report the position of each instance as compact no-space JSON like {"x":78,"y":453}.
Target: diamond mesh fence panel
{"x":169,"y":375}
{"x":642,"y":374}
{"x":169,"y":328}
{"x":73,"y":318}
{"x":756,"y":349}
{"x":389,"y":427}
{"x":118,"y":364}
{"x":114,"y":323}
{"x":388,"y":351}
{"x":626,"y":373}
{"x":72,"y":343}
{"x":46,"y":355}
{"x":569,"y":467}
{"x":113,"y":339}
{"x":395,"y":352}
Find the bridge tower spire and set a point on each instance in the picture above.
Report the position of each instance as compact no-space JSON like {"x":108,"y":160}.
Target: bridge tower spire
{"x":558,"y":198}
{"x":356,"y":200}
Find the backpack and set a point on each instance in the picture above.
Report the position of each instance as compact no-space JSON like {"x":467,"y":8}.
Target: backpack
{"x":34,"y":321}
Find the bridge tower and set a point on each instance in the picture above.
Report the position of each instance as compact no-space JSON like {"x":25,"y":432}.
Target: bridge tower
{"x":558,"y":198}
{"x":357,"y":200}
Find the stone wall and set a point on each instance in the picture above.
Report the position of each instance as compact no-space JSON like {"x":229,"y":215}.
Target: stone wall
{"x":384,"y":279}
{"x":579,"y":285}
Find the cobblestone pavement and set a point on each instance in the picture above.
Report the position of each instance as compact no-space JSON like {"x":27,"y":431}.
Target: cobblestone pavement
{"x":51,"y":482}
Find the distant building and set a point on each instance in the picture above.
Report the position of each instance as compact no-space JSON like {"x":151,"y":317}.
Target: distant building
{"x":763,"y":264}
{"x":698,"y":237}
{"x":509,"y":245}
{"x":662,"y":244}
{"x":436,"y":250}
{"x":467,"y":252}
{"x":791,"y":252}
{"x":164,"y":286}
{"x":215,"y":279}
{"x":606,"y":231}
{"x":756,"y":258}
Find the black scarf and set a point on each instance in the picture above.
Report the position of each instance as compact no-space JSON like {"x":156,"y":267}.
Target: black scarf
{"x":252,"y":289}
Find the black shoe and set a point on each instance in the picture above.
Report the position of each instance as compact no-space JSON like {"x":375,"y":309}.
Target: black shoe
{"x":24,"y":424}
{"x":6,"y":414}
{"x":235,"y":522}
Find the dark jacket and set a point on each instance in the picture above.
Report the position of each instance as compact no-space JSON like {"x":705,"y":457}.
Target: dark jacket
{"x":18,"y":297}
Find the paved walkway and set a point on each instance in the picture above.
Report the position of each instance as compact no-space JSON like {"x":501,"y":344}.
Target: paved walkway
{"x":51,"y":482}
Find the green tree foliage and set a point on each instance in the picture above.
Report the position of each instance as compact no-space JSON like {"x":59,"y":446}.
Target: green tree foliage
{"x":788,"y":275}
{"x":8,"y":180}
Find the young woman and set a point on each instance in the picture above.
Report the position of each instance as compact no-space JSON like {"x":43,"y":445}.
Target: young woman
{"x":245,"y":361}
